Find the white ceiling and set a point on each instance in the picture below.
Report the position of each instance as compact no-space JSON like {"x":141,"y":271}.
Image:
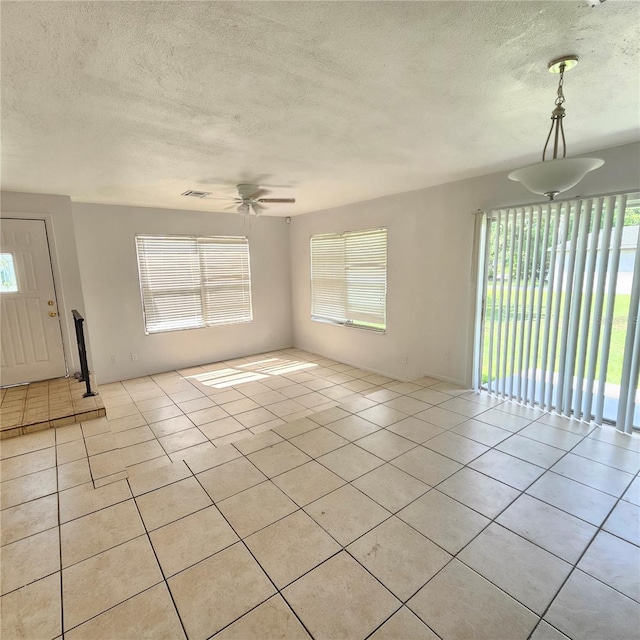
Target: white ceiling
{"x":338,"y":102}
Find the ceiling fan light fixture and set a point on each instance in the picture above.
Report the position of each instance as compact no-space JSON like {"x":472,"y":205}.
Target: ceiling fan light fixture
{"x":551,"y":177}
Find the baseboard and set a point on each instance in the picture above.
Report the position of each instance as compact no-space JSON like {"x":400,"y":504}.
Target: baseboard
{"x":459,"y":383}
{"x":357,"y":366}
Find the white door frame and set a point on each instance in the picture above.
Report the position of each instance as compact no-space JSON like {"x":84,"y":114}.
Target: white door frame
{"x":64,"y":313}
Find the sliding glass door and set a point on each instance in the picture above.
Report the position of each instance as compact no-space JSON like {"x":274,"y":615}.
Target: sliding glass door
{"x":557,"y":314}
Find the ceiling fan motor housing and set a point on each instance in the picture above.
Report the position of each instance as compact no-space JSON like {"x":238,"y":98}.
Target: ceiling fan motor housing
{"x":247,"y":191}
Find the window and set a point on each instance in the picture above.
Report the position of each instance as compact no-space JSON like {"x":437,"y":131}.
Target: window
{"x":8,"y":280}
{"x":188,"y":282}
{"x":349,"y":278}
{"x":557,"y":322}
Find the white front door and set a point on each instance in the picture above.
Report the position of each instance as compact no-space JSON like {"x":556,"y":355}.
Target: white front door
{"x":30,"y":328}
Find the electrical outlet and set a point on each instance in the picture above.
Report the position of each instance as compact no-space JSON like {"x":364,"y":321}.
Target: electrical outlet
{"x":134,"y":357}
{"x":114,"y":359}
{"x":405,"y":359}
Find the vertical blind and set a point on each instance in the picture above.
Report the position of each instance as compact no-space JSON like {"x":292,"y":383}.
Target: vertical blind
{"x":349,"y":278}
{"x":188,"y":282}
{"x":557,"y":314}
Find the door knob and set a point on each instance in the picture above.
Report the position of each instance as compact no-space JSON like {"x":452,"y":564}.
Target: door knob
{"x":53,"y":314}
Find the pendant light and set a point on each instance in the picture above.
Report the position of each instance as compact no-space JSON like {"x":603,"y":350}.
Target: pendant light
{"x":551,"y":177}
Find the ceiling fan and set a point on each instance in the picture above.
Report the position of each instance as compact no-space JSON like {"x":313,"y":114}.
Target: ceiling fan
{"x":250,"y":199}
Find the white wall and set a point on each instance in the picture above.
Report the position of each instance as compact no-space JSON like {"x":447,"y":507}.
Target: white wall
{"x":430,"y":300}
{"x":107,"y":255}
{"x":56,"y":212}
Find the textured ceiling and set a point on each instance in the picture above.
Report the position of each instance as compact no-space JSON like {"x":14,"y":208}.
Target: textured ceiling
{"x":337,"y":102}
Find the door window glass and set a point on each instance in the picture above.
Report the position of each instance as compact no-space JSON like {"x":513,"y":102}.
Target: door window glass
{"x":8,"y":280}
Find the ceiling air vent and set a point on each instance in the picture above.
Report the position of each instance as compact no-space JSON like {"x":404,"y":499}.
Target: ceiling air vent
{"x":196,"y":194}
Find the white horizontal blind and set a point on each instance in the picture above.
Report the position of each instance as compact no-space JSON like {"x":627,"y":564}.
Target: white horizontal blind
{"x":169,"y":269}
{"x":349,"y":278}
{"x":560,"y":298}
{"x":328,"y":282}
{"x":188,"y":282}
{"x":226,"y":280}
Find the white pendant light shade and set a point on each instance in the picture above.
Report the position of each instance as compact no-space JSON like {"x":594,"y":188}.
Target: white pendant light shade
{"x":555,"y":176}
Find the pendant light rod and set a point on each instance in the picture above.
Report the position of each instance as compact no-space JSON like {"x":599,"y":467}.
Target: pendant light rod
{"x":555,"y":175}
{"x":559,"y":65}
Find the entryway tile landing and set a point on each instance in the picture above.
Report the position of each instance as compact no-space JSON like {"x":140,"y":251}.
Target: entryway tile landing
{"x":35,"y":406}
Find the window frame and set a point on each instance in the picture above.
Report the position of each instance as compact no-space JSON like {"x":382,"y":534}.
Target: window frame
{"x":201,"y":288}
{"x":350,"y":265}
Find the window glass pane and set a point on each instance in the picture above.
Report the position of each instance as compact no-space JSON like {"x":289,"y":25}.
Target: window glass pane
{"x":8,"y":279}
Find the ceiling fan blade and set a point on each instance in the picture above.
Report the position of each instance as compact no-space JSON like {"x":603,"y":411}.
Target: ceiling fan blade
{"x":259,"y":193}
{"x":278,"y":200}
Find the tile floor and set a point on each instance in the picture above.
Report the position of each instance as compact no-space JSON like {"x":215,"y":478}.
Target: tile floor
{"x":291,"y":496}
{"x":28,"y":408}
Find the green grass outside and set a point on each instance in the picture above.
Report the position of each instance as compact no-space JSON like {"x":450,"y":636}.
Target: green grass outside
{"x":618,"y":331}
{"x":372,"y":325}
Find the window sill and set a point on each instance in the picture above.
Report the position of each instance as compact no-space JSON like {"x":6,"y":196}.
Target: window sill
{"x":350,"y":325}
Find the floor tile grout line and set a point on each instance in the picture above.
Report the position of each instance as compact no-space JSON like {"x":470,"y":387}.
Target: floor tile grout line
{"x":396,"y":612}
{"x":390,"y":461}
{"x":130,"y":397}
{"x":403,"y":601}
{"x":242,"y":541}
{"x":550,"y":470}
{"x":300,"y":508}
{"x":619,"y":498}
{"x":573,"y":565}
{"x":94,"y":510}
{"x":454,"y":559}
{"x":415,"y":447}
{"x":530,"y":495}
{"x":588,"y":486}
{"x":547,"y":414}
{"x":31,"y":473}
{"x":27,"y":584}
{"x":155,"y":555}
{"x":59,"y":541}
{"x":454,"y":556}
{"x":584,"y":551}
{"x":522,"y":492}
{"x":112,"y":607}
{"x":491,"y":521}
{"x":546,"y":469}
{"x":344,"y":547}
{"x":115,"y":546}
{"x":25,"y":452}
